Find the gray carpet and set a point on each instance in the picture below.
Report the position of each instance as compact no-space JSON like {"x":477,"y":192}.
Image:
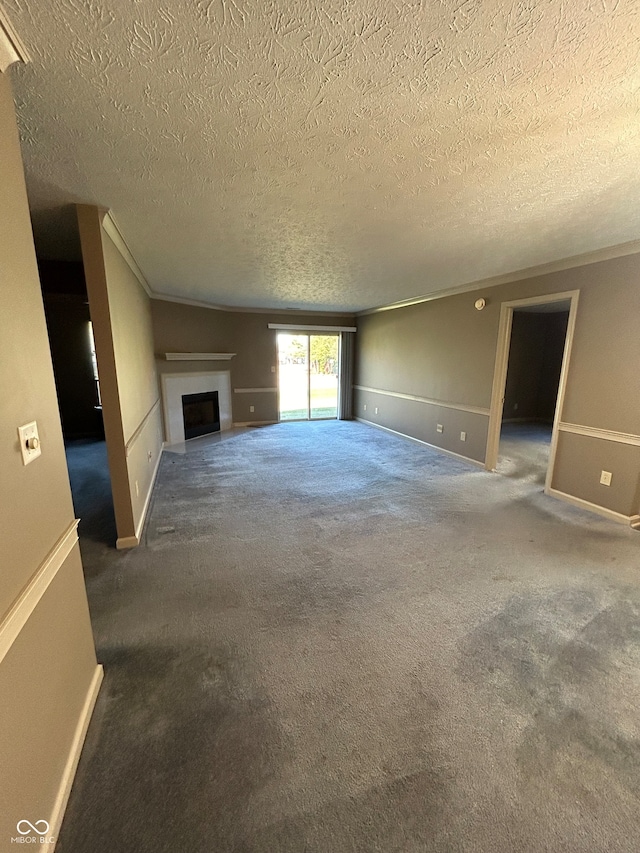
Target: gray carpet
{"x":91,"y":491}
{"x":524,"y":451}
{"x":336,"y":640}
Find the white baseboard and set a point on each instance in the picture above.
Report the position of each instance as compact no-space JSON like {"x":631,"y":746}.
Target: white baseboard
{"x":590,"y":507}
{"x":124,"y":542}
{"x":253,"y":423}
{"x":634,"y":521}
{"x":72,"y":761}
{"x":147,"y":501}
{"x":425,"y":443}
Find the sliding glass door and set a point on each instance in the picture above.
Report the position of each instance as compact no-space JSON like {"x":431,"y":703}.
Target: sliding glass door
{"x":307,"y":376}
{"x":293,"y":376}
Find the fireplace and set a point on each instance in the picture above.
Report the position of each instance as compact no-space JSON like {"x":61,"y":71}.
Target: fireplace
{"x":175,"y":386}
{"x":201,"y":414}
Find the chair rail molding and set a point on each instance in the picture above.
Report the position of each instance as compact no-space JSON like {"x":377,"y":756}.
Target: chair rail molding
{"x":254,"y":390}
{"x":596,"y":432}
{"x":26,"y":603}
{"x":461,"y":407}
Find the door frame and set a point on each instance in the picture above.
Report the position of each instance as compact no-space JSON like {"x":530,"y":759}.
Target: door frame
{"x":308,"y":332}
{"x":500,"y":374}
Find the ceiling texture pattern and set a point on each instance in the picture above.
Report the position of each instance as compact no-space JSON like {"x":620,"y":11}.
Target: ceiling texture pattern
{"x":336,"y":155}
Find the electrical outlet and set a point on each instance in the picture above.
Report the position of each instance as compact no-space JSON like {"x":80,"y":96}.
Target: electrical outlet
{"x":252,"y":408}
{"x":605,"y":478}
{"x":365,"y":407}
{"x":463,"y":436}
{"x":273,"y":370}
{"x":375,"y":411}
{"x":137,"y":489}
{"x":439,"y":428}
{"x":149,"y":455}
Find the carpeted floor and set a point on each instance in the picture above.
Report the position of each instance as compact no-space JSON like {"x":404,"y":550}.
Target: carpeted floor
{"x":334,"y":640}
{"x":91,"y":490}
{"x":524,"y":451}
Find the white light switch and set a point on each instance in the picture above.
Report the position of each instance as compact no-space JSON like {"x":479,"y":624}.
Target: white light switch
{"x":439,"y":428}
{"x":605,"y":478}
{"x":29,"y":442}
{"x":463,"y":436}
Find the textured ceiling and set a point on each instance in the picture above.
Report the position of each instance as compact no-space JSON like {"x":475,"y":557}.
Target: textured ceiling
{"x":333,"y":154}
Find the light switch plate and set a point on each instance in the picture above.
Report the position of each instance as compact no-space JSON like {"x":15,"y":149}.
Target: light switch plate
{"x":29,"y":442}
{"x":605,"y":478}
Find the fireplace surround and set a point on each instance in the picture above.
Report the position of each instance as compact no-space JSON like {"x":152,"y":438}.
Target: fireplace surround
{"x":175,"y":386}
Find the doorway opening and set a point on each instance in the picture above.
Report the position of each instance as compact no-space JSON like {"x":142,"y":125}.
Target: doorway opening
{"x":538,"y":335}
{"x":75,"y":370}
{"x":308,"y":376}
{"x":534,"y":348}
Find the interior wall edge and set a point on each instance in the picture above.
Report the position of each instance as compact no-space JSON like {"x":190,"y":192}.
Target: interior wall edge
{"x":19,"y":613}
{"x":93,"y":258}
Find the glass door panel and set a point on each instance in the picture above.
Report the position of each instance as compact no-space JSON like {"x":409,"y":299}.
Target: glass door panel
{"x":323,"y":376}
{"x":293,"y":376}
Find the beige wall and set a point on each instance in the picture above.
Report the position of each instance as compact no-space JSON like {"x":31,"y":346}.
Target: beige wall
{"x":48,"y":668}
{"x":186,"y":328}
{"x":121,"y":316}
{"x":444,"y":350}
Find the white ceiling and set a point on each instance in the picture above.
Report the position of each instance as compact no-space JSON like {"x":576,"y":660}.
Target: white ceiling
{"x":339,"y":154}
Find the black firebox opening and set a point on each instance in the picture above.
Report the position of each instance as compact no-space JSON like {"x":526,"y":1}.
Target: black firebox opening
{"x":201,"y":414}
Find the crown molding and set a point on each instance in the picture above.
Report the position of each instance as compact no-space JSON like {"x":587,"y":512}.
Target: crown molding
{"x":605,"y":254}
{"x":111,"y":227}
{"x":197,"y":303}
{"x":12,"y":48}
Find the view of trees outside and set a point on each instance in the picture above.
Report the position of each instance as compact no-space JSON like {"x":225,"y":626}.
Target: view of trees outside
{"x":308,"y":376}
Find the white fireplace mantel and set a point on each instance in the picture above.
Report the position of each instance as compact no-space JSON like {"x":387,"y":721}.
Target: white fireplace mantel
{"x":175,"y":385}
